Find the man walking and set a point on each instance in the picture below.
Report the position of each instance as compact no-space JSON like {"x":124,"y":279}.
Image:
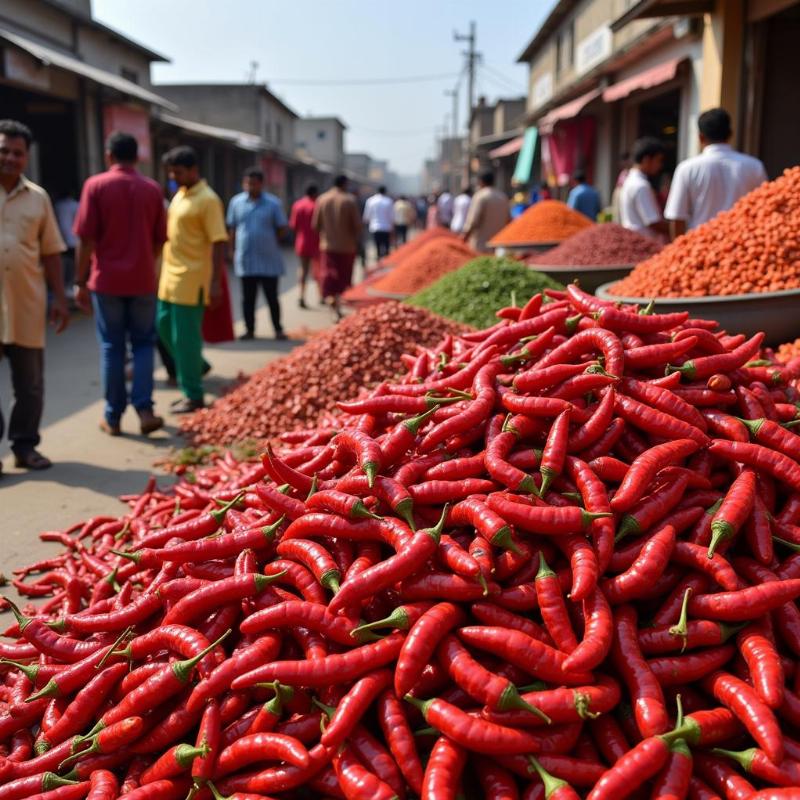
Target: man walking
{"x":121,"y":227}
{"x":713,"y":180}
{"x":255,"y":221}
{"x":461,"y":205}
{"x":306,"y":239}
{"x":638,"y":205}
{"x":488,"y":213}
{"x":337,"y":219}
{"x":31,"y":248}
{"x":191,"y":269}
{"x":379,"y":216}
{"x":584,"y":197}
{"x":404,"y":216}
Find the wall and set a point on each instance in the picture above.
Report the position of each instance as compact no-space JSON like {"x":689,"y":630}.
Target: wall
{"x":507,"y":115}
{"x":37,"y":20}
{"x":277,"y":125}
{"x":321,"y":138}
{"x":226,"y":106}
{"x":101,"y":50}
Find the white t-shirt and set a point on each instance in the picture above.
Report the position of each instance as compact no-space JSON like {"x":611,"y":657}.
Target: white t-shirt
{"x":444,"y":207}
{"x":638,"y":207}
{"x":460,"y":210}
{"x":379,"y":213}
{"x":711,"y":182}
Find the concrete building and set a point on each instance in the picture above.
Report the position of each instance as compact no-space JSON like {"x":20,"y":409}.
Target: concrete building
{"x":594,"y":88}
{"x":251,"y":109}
{"x":749,"y":66}
{"x":73,"y":80}
{"x":358,"y":163}
{"x":321,"y":138}
{"x":496,"y":137}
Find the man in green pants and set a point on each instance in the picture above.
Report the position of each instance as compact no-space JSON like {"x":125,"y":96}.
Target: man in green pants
{"x":191,"y":270}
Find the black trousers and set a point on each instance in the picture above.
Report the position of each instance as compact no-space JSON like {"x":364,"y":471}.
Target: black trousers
{"x":400,"y":234}
{"x":27,"y":382}
{"x":381,"y":243}
{"x":250,"y":286}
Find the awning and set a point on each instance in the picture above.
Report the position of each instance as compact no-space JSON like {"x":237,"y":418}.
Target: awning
{"x":507,"y":149}
{"x":56,"y":58}
{"x":246,"y":141}
{"x":654,"y":76}
{"x":527,"y":153}
{"x":567,"y":111}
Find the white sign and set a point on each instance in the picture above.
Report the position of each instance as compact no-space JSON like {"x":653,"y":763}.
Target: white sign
{"x":22,"y":68}
{"x":593,"y":49}
{"x":543,"y":89}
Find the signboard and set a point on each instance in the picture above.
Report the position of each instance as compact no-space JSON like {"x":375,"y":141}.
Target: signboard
{"x":542,"y":89}
{"x":593,"y":49}
{"x":23,"y":68}
{"x":129,"y":119}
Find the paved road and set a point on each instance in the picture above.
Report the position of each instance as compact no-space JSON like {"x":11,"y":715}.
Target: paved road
{"x":91,"y":469}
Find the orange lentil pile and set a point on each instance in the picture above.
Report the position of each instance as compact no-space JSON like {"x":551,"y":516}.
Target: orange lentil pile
{"x":420,"y":240}
{"x":433,"y":260}
{"x":545,"y":221}
{"x":362,"y":350}
{"x":752,"y":247}
{"x":787,"y":351}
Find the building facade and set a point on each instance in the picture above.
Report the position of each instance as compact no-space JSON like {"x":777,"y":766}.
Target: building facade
{"x":322,"y":138}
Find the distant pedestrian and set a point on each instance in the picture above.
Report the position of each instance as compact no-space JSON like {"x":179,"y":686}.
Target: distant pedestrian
{"x":432,"y":214}
{"x":444,"y":209}
{"x":461,"y":205}
{"x":31,"y":266}
{"x":306,"y":239}
{"x":191,"y":269}
{"x":421,"y":205}
{"x":638,"y":204}
{"x":713,"y":181}
{"x":121,"y":225}
{"x":404,"y":216}
{"x":255,"y":223}
{"x":337,"y":219}
{"x":583,"y":197}
{"x":488,"y":213}
{"x":379,"y":216}
{"x":66,"y":208}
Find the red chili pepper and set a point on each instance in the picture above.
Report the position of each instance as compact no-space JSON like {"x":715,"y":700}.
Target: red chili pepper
{"x":543,"y":519}
{"x":357,"y":782}
{"x":653,"y":507}
{"x":639,"y":764}
{"x":723,"y":778}
{"x":758,"y":650}
{"x":657,"y":423}
{"x":597,"y":635}
{"x":745,"y":604}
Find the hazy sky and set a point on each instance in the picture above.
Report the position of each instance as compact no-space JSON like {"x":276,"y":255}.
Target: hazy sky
{"x":333,"y":40}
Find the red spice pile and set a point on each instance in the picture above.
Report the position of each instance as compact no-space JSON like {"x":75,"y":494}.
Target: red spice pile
{"x":426,"y":266}
{"x":546,"y":221}
{"x":410,"y":247}
{"x":608,"y":244}
{"x":361,"y":350}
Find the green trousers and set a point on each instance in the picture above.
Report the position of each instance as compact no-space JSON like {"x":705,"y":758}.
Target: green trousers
{"x":180,"y":328}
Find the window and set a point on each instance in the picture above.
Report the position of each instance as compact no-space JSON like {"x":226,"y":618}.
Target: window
{"x":565,"y":48}
{"x":129,"y":74}
{"x":321,"y":134}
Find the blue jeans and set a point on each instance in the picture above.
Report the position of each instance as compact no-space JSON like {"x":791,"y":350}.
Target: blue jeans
{"x":119,"y":320}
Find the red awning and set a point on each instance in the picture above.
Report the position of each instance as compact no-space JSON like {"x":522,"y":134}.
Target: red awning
{"x":567,"y":111}
{"x":507,"y":149}
{"x":654,"y":76}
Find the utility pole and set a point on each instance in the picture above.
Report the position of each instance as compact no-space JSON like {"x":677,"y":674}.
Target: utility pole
{"x":453,"y":93}
{"x":472,"y":61}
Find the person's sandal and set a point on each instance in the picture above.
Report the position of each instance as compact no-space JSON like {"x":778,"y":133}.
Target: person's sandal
{"x":33,"y":459}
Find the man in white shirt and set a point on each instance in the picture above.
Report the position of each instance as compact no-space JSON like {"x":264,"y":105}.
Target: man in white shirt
{"x":638,"y":206}
{"x":712,"y":181}
{"x":461,"y":209}
{"x":444,"y":209}
{"x":379,"y":215}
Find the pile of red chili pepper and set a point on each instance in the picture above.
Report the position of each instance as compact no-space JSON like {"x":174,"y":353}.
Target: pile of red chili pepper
{"x":558,"y":559}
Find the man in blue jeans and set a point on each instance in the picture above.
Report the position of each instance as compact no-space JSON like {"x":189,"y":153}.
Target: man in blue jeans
{"x":121,"y":225}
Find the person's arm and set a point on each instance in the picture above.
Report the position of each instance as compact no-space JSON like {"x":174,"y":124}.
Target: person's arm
{"x":473,"y":218}
{"x":677,"y":227}
{"x":215,"y":230}
{"x":83,"y":260}
{"x":218,"y":265}
{"x":280,"y":222}
{"x":54,"y":275}
{"x":649,"y":211}
{"x":678,"y":208}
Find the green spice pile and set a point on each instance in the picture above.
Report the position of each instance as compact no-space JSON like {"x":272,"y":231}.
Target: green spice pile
{"x":474,"y":293}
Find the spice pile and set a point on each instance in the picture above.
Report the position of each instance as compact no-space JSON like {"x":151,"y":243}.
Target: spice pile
{"x":410,"y":247}
{"x":360,"y":351}
{"x":534,"y":567}
{"x":475,"y":292}
{"x":544,"y":222}
{"x":421,"y":268}
{"x":753,"y":247}
{"x":608,"y":244}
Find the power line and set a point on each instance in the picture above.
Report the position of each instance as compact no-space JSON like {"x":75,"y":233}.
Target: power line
{"x":501,"y":75}
{"x":364,"y":81}
{"x":399,"y":132}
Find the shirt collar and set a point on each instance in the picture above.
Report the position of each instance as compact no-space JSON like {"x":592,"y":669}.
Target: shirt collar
{"x":23,"y":184}
{"x":121,"y":168}
{"x":717,"y":147}
{"x":192,"y":190}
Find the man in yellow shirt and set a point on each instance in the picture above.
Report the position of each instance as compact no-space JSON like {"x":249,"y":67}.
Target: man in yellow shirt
{"x":191,"y":270}
{"x":30,"y":261}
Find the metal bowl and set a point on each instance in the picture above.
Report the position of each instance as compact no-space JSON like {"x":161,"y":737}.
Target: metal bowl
{"x":775,"y":313}
{"x":589,"y":277}
{"x":529,"y":248}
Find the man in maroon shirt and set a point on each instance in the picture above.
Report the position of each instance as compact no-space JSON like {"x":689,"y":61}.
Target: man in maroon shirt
{"x":121,"y":225}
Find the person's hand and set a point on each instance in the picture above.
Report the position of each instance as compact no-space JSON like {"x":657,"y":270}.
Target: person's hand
{"x":59,"y":313}
{"x":216,"y":294}
{"x":82,"y":299}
